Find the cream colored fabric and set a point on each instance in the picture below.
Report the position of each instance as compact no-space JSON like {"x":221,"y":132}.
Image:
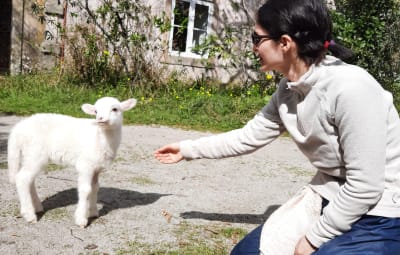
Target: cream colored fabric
{"x":290,"y":222}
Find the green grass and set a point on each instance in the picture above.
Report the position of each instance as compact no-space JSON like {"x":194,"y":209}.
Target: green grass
{"x":57,"y":214}
{"x":53,"y":167}
{"x":3,"y":165}
{"x":211,"y":239}
{"x":193,"y":106}
{"x":10,"y":209}
{"x":141,"y":180}
{"x":298,"y":171}
{"x":25,"y":95}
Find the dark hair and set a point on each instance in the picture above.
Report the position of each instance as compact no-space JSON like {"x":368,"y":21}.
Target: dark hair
{"x":307,"y":22}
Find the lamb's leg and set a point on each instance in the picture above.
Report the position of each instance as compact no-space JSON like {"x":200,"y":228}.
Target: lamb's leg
{"x":35,"y":199}
{"x":93,"y":212}
{"x":84,"y":191}
{"x":24,"y":182}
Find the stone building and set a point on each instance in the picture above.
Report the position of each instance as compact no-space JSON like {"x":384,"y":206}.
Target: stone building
{"x":5,"y":34}
{"x":22,"y":44}
{"x":28,"y":44}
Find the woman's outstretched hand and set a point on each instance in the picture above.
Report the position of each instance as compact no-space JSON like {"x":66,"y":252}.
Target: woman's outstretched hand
{"x":169,"y":154}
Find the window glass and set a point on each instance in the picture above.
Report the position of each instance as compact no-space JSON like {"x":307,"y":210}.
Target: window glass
{"x":190,"y":27}
{"x":179,"y":39}
{"x":181,"y":13}
{"x":201,"y":17}
{"x":198,"y":38}
{"x":200,"y":26}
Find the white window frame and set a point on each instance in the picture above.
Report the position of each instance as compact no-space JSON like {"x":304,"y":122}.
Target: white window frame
{"x":189,"y":39}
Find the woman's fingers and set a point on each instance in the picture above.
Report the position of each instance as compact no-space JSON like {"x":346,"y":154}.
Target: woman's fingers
{"x":169,"y":154}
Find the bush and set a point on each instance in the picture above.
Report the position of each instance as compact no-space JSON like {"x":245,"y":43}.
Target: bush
{"x":371,"y":28}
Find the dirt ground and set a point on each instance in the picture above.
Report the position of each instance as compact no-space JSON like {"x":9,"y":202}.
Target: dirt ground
{"x":199,"y":195}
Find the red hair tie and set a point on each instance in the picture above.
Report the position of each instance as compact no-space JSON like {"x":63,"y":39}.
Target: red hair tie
{"x":328,"y":43}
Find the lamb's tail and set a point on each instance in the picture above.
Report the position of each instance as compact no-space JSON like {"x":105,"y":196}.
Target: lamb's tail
{"x":14,"y":157}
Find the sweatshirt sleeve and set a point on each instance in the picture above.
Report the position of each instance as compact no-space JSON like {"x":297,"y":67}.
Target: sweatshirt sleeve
{"x":261,"y":130}
{"x":360,"y":114}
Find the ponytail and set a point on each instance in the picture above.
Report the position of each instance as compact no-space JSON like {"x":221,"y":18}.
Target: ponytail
{"x":338,"y":50}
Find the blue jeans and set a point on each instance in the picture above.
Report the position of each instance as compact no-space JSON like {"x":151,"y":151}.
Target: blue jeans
{"x":250,"y":244}
{"x":370,"y":235}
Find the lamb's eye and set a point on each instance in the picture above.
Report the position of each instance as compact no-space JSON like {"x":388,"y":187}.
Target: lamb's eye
{"x":114,"y":109}
{"x":95,"y":112}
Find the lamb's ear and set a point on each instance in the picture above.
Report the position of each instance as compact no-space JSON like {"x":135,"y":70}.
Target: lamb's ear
{"x":89,"y":109}
{"x":128,"y":104}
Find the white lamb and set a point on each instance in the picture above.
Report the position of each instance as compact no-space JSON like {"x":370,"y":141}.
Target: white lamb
{"x":89,"y":145}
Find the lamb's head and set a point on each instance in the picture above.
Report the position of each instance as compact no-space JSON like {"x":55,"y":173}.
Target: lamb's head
{"x":109,"y":110}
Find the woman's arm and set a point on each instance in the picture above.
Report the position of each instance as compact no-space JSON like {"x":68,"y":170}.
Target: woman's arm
{"x":258,"y":132}
{"x":360,"y":112}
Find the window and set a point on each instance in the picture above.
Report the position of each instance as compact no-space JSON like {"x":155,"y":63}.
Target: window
{"x":191,"y":21}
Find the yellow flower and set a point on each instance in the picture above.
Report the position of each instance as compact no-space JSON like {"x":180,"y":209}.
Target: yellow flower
{"x":106,"y":52}
{"x":268,"y":76}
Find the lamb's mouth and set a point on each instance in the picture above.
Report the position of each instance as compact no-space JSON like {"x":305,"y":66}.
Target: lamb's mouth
{"x":103,"y":123}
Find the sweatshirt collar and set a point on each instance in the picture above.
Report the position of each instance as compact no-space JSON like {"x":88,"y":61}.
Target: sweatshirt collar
{"x":305,"y":83}
{"x":307,"y":80}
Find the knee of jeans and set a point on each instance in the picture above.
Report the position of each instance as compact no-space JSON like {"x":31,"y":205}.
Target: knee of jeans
{"x":237,"y":250}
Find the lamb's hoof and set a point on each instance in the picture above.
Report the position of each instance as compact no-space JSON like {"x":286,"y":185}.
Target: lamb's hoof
{"x":81,"y":222}
{"x":29,"y":217}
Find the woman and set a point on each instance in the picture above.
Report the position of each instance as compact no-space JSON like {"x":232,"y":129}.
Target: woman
{"x":341,"y":119}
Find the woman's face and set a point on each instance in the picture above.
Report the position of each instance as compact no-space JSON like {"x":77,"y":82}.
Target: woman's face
{"x":268,"y":51}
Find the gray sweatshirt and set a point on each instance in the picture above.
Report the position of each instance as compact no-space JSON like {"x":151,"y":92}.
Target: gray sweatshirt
{"x":345,"y":123}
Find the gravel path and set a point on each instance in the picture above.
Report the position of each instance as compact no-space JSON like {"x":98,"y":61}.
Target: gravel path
{"x":200,"y":195}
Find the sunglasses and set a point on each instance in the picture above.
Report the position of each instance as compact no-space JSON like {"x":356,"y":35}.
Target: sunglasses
{"x":256,"y":38}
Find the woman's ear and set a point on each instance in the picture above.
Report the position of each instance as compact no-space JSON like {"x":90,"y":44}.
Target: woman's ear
{"x":286,"y":42}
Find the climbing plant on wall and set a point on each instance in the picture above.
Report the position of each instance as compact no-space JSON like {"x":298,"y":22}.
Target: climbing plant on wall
{"x":110,"y":41}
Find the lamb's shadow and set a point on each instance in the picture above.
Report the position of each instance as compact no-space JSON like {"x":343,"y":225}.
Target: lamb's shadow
{"x":110,"y":198}
{"x":234,"y":218}
{"x":3,"y":143}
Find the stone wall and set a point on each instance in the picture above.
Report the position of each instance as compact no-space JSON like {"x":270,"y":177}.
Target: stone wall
{"x":30,"y":50}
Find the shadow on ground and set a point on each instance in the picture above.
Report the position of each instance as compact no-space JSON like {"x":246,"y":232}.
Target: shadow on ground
{"x":111,"y":198}
{"x":3,"y":143}
{"x":233,"y":218}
